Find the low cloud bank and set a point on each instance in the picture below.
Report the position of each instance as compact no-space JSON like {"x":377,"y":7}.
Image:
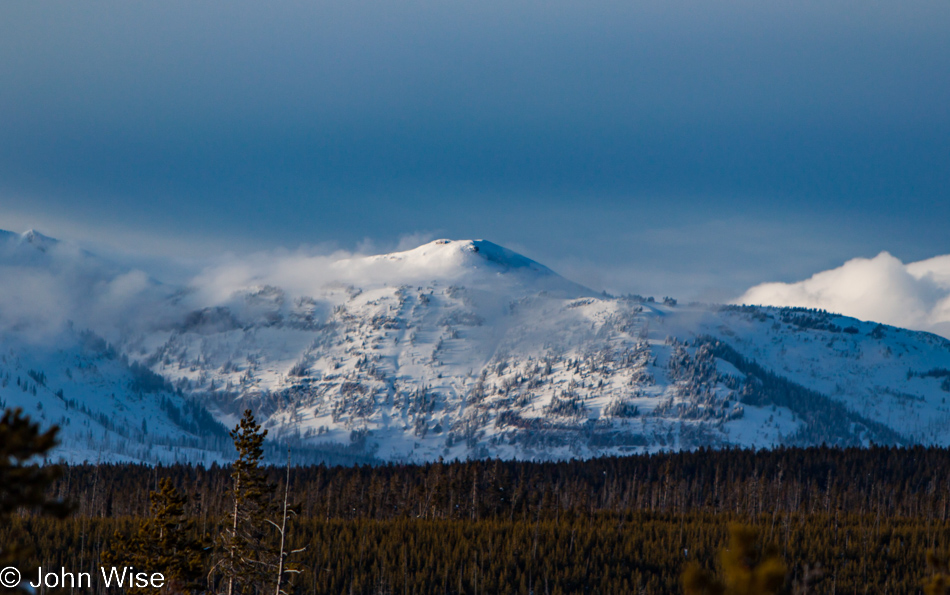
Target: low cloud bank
{"x":49,"y":285}
{"x":882,"y":289}
{"x":304,"y":272}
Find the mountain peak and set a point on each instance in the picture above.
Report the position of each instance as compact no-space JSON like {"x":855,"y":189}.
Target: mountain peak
{"x":477,"y":262}
{"x":38,"y":240}
{"x":29,"y":237}
{"x":445,"y":253}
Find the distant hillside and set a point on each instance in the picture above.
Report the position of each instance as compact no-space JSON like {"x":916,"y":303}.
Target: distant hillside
{"x":455,"y":349}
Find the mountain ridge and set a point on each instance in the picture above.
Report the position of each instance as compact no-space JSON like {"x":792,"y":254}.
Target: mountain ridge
{"x":463,"y":348}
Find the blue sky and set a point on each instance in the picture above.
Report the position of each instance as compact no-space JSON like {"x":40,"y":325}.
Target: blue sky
{"x":683,"y":147}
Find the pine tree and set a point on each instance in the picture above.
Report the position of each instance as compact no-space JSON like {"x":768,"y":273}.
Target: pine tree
{"x":248,"y":555}
{"x":23,"y":481}
{"x":164,"y":543}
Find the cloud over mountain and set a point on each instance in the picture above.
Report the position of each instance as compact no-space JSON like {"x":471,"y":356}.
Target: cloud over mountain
{"x":48,"y":284}
{"x":302,"y":273}
{"x":882,"y":289}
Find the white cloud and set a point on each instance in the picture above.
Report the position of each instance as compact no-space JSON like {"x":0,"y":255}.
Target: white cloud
{"x":308,"y":271}
{"x":48,"y":284}
{"x":882,"y":289}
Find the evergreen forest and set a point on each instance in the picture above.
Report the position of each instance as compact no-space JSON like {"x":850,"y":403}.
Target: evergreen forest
{"x":824,"y":520}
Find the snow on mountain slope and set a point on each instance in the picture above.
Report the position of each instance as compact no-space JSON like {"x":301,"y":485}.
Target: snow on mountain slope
{"x":891,"y":376}
{"x":106,"y":409}
{"x":448,"y":259}
{"x":466,"y":349}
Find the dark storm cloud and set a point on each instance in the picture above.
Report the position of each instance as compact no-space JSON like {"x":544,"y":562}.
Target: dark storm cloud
{"x":573,"y":129}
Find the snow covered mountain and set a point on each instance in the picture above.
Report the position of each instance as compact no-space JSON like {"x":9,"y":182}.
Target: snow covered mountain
{"x":454,"y":349}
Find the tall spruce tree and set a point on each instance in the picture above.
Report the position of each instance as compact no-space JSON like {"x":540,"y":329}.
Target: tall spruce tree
{"x":164,"y":543}
{"x":248,"y":555}
{"x":23,"y":481}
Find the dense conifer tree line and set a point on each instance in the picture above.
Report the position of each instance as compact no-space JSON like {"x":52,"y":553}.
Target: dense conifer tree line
{"x":884,"y":481}
{"x":603,"y":553}
{"x":866,"y":517}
